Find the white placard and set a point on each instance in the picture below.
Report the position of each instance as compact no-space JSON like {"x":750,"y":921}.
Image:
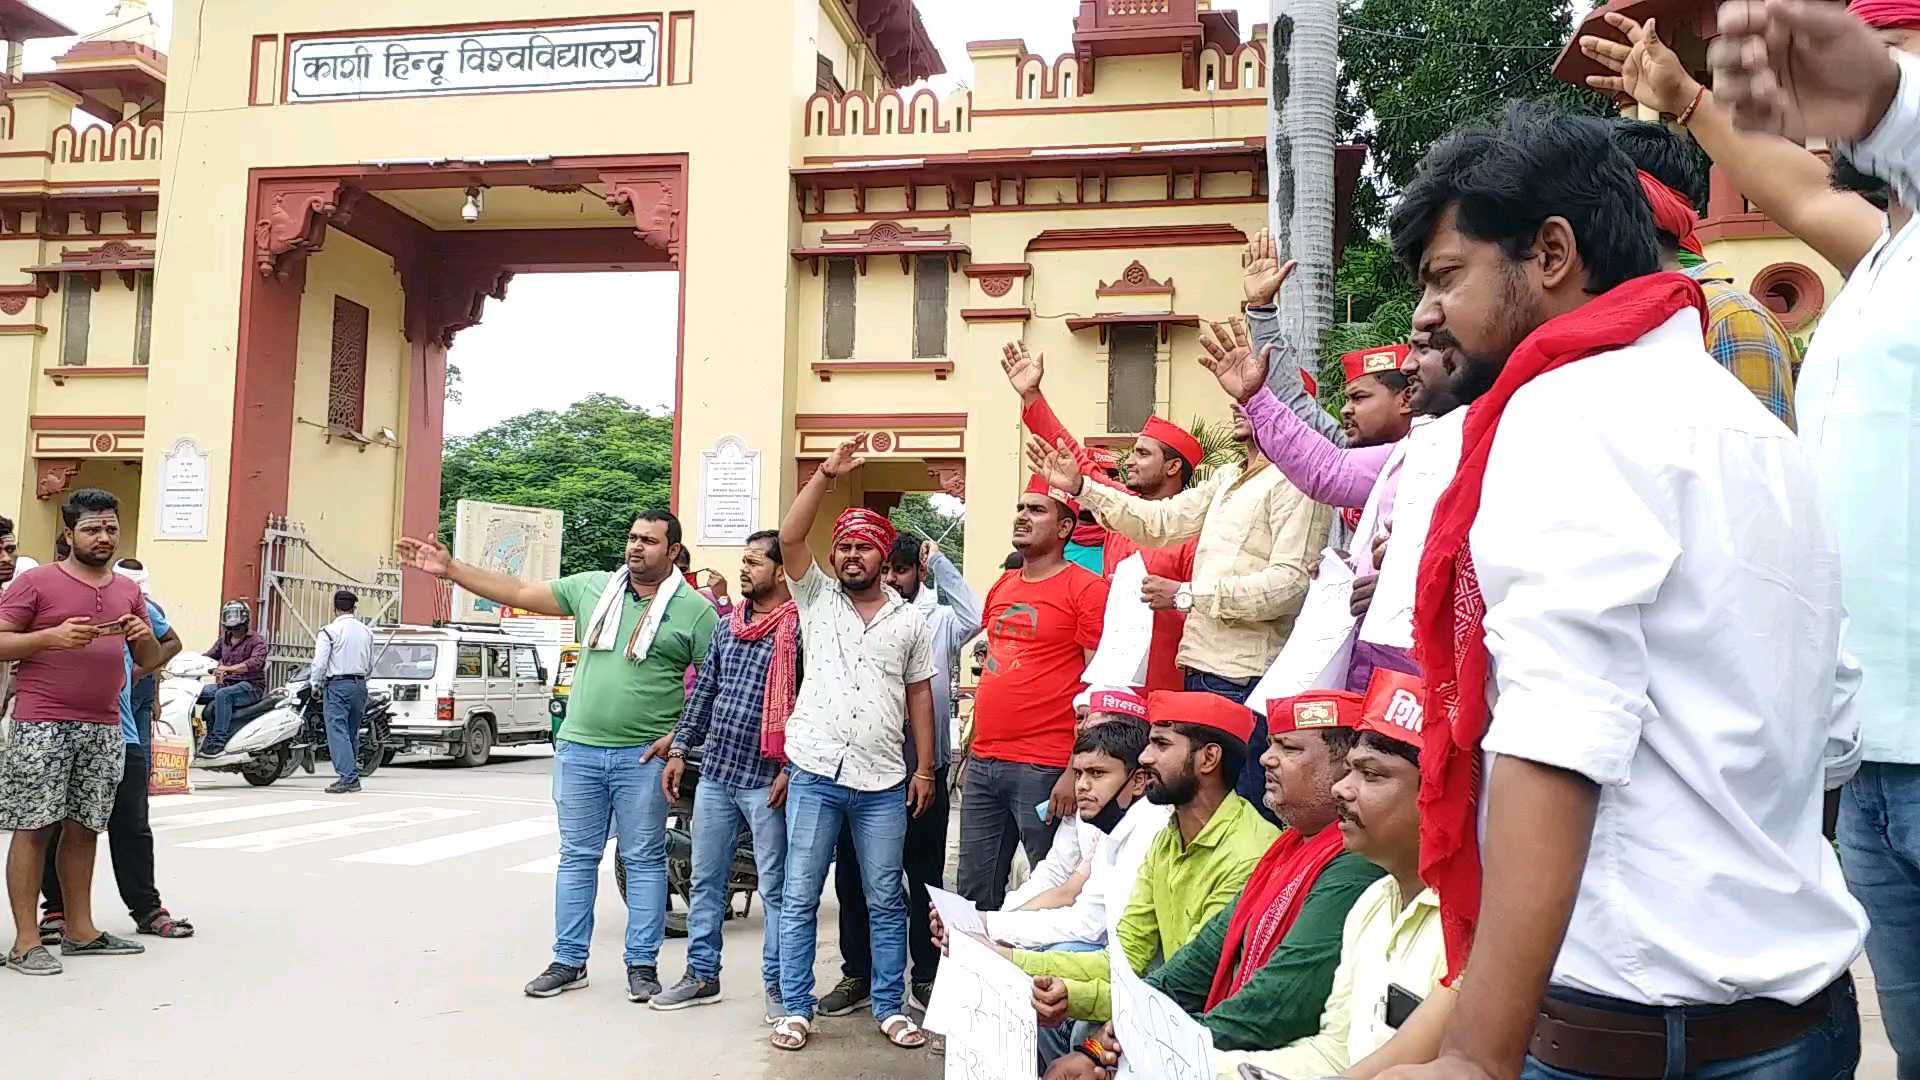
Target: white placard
{"x":957,"y":913}
{"x":1127,"y":635}
{"x":561,"y":57}
{"x":184,"y":480}
{"x":1318,"y":651}
{"x":729,"y":492}
{"x":1433,"y":456}
{"x":983,"y":1004}
{"x":519,"y":541}
{"x":1158,"y":1040}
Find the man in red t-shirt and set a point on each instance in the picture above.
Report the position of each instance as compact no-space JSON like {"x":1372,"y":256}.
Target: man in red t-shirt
{"x":66,"y":625}
{"x":1042,"y":621}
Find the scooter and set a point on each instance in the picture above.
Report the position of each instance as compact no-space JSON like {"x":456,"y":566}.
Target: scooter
{"x":282,"y":731}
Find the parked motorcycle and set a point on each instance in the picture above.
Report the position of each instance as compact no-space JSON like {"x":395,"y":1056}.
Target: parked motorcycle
{"x":743,"y":878}
{"x":283,"y":731}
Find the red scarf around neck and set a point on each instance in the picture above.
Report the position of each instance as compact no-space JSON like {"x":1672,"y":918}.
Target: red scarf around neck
{"x":783,"y":674}
{"x":1448,"y":615}
{"x":1269,"y":904}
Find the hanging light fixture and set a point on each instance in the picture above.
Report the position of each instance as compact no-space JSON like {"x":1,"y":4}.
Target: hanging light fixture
{"x":470,"y":213}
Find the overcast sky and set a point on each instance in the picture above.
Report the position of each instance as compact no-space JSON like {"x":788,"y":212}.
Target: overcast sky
{"x":559,"y":337}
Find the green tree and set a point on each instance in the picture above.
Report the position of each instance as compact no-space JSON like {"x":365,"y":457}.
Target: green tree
{"x":598,"y":462}
{"x":915,"y":516}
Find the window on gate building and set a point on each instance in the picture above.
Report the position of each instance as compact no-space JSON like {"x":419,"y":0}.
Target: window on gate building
{"x":1132,"y":376}
{"x":143,"y":317}
{"x":930,"y":305}
{"x":839,"y":314}
{"x":76,"y":316}
{"x":347,"y":373}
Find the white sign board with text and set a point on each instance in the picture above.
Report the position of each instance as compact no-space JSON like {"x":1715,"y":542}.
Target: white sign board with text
{"x":519,"y":541}
{"x":729,"y":492}
{"x":557,"y":57}
{"x":184,"y":481}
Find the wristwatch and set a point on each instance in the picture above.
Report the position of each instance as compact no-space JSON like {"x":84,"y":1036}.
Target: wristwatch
{"x":1183,"y":597}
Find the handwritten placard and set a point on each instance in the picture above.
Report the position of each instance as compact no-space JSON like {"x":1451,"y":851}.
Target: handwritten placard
{"x":1127,"y":635}
{"x":1318,"y":651}
{"x":557,"y":57}
{"x":1158,"y":1040}
{"x":983,"y":1004}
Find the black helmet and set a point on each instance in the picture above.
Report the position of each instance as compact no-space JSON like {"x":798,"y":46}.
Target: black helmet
{"x":234,"y":614}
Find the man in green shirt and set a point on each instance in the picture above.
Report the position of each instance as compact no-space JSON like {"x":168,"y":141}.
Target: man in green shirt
{"x":1257,"y":975}
{"x":1196,"y":865}
{"x":641,"y":627}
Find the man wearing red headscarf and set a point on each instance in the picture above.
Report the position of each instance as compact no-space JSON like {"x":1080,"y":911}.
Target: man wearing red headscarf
{"x":1636,"y":764}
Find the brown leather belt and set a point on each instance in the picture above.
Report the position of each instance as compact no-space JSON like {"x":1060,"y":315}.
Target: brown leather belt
{"x":1633,"y":1045}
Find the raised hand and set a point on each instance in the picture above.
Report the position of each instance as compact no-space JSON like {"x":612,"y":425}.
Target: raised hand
{"x":1231,"y":359}
{"x":1055,"y":464}
{"x":845,"y":458}
{"x":929,"y":551}
{"x":1262,"y":273}
{"x":1024,"y":369}
{"x":1644,"y":68}
{"x":427,"y":556}
{"x":1802,"y":69}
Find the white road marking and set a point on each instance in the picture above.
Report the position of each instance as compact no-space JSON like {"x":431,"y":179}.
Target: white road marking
{"x":168,"y":802}
{"x":229,"y":814}
{"x":550,"y":864}
{"x":421,"y":852}
{"x":340,"y":829}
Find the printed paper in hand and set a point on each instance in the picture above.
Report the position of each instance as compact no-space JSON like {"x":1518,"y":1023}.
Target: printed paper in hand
{"x":1121,"y":659}
{"x":983,"y":1004}
{"x":1321,"y":646}
{"x":1158,"y":1040}
{"x":1432,"y":459}
{"x":957,"y":913}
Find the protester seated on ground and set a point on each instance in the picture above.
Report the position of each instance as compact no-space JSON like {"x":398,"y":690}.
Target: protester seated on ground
{"x":1059,"y":877}
{"x":1259,"y":973}
{"x":1193,"y":867}
{"x":1391,"y":952}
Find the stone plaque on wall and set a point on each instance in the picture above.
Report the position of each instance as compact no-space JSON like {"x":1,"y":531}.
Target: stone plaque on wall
{"x":184,"y":478}
{"x":729,"y":492}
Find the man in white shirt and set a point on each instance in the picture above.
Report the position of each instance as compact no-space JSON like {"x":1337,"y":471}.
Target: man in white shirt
{"x":342,"y":660}
{"x":1630,"y":606}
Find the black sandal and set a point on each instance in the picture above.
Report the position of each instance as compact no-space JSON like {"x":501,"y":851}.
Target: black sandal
{"x":163,"y":925}
{"x":53,"y":926}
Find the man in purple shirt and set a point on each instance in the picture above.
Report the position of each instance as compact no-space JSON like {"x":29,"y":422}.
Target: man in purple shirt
{"x":241,"y":676}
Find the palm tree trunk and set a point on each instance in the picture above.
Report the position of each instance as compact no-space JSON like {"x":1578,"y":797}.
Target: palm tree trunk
{"x":1304,"y":52}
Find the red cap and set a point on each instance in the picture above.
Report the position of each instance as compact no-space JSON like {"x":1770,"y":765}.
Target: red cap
{"x":1314,"y":710}
{"x":1887,"y":14}
{"x":1359,"y":365}
{"x":1103,"y":457}
{"x":1207,"y":710}
{"x":1392,"y":707}
{"x":1175,"y":438}
{"x":1124,"y":702}
{"x":1037,"y":485}
{"x":1672,"y":213}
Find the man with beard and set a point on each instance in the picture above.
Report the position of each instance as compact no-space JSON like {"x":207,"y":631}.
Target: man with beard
{"x":742,"y":696}
{"x":69,"y":627}
{"x":953,"y":624}
{"x":1255,"y":535}
{"x":1590,"y":592}
{"x":1859,"y":390}
{"x":1159,"y":466}
{"x":1193,"y":868}
{"x":1258,"y":973}
{"x":870,"y":668}
{"x":1042,"y":620}
{"x":642,"y":626}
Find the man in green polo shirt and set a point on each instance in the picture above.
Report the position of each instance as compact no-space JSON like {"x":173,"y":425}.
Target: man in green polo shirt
{"x":640,"y":628}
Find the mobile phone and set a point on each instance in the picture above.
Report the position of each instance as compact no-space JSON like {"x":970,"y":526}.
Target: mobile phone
{"x":1400,"y":1004}
{"x":117,"y":626}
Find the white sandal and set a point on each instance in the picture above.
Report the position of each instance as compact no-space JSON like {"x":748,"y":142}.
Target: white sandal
{"x":902,"y":1032}
{"x":791,"y":1033}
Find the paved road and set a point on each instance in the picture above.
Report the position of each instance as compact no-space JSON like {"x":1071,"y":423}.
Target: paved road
{"x":386,"y":935}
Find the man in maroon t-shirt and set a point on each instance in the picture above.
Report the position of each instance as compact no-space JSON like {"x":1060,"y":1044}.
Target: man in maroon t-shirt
{"x":65,"y":625}
{"x":1042,"y":621}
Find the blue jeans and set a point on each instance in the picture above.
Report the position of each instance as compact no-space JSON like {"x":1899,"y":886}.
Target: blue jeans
{"x":592,"y":786}
{"x":1880,"y":854}
{"x":226,"y":700}
{"x":816,"y":807}
{"x":346,"y":706}
{"x":717,"y":813}
{"x":1252,"y":784}
{"x":1828,"y":1052}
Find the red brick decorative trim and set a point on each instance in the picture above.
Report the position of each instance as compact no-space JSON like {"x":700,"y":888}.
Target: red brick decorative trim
{"x":950,"y":474}
{"x":989,"y":314}
{"x":981,"y":270}
{"x":652,"y":198}
{"x":293,"y":222}
{"x":87,"y":423}
{"x":871,"y":421}
{"x":1135,"y":281}
{"x":939,"y":369}
{"x":60,"y":374}
{"x":1793,"y":292}
{"x":52,"y":475}
{"x":1142,"y":236}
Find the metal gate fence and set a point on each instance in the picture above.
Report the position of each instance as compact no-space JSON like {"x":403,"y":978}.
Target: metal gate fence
{"x":297,"y":584}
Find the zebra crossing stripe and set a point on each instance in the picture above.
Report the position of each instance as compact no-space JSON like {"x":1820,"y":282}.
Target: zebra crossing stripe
{"x":453,"y":845}
{"x":229,"y":814}
{"x":337,"y":829}
{"x":168,"y":802}
{"x":550,"y":864}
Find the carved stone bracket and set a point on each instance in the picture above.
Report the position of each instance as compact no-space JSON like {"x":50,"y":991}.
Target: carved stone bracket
{"x":950,"y":474}
{"x":294,"y":221}
{"x":653,"y":200}
{"x":52,"y":475}
{"x":1134,"y":281}
{"x":443,"y":299}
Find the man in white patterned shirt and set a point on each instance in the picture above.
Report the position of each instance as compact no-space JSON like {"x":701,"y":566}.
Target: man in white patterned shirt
{"x":869,"y":677}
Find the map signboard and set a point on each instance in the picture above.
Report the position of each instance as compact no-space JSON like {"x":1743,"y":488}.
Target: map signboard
{"x":521,"y":541}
